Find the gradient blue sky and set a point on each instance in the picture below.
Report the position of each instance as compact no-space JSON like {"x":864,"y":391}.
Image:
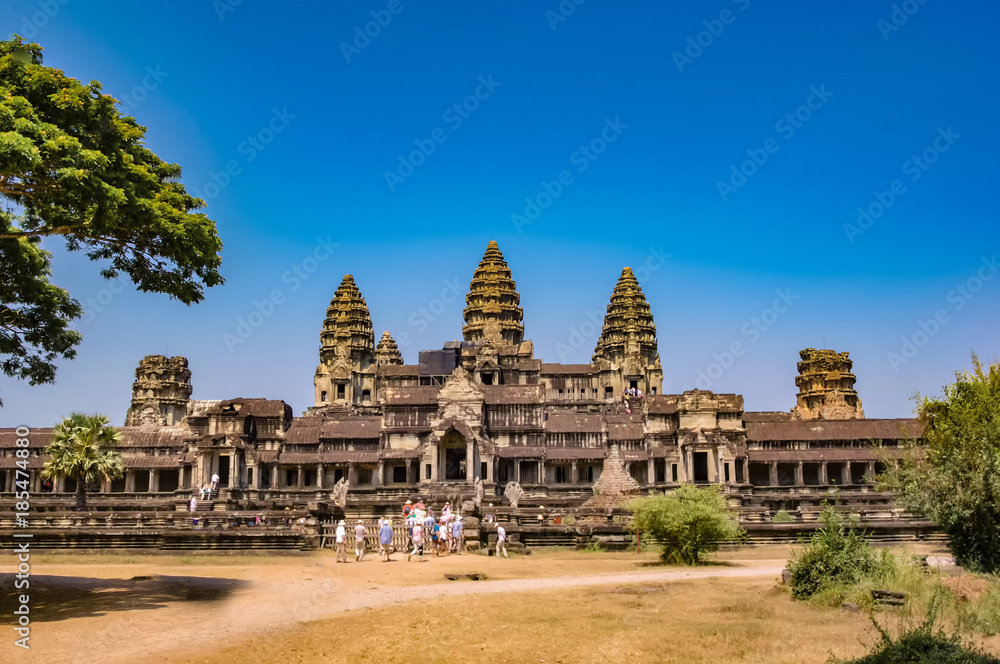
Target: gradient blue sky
{"x":222,"y":75}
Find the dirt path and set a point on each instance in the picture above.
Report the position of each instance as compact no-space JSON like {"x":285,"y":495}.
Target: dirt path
{"x":276,"y":599}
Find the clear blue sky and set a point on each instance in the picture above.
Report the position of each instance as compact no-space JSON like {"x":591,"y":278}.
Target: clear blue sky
{"x":311,"y":135}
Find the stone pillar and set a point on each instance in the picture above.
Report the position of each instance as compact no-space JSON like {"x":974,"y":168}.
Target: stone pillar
{"x":352,"y":474}
{"x":517,"y":470}
{"x":490,"y":463}
{"x":845,"y":472}
{"x":823,"y":477}
{"x":689,"y":466}
{"x":799,"y":477}
{"x":773,"y":467}
{"x":746,"y":470}
{"x":319,"y":475}
{"x":575,"y":474}
{"x":470,"y":461}
{"x":650,"y":472}
{"x":380,"y":473}
{"x":152,"y":482}
{"x":299,"y":479}
{"x":871,"y":472}
{"x":275,"y":478}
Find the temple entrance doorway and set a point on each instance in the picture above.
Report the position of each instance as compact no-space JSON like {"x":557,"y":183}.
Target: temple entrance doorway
{"x":452,"y":457}
{"x":223,"y":471}
{"x":701,"y":466}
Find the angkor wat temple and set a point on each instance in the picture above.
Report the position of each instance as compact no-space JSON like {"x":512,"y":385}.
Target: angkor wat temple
{"x":483,"y":413}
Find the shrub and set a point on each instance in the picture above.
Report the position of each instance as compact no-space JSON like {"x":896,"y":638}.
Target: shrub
{"x":781,"y":516}
{"x":836,"y":556}
{"x":924,"y":645}
{"x":686,"y":524}
{"x":594,"y":546}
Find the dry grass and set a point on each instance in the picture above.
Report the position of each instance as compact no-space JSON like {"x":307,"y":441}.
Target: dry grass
{"x":710,"y":620}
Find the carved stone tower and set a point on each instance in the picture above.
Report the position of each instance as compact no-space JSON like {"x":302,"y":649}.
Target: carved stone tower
{"x":492,"y":313}
{"x":160,"y":393}
{"x":628,"y":337}
{"x":826,"y":387}
{"x":346,"y":373}
{"x":387,"y":352}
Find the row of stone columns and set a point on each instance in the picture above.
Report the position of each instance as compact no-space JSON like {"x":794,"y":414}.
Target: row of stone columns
{"x":845,"y":472}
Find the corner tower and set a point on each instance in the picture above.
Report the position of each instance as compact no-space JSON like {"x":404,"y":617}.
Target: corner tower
{"x":826,"y":387}
{"x":346,"y":372}
{"x":160,"y":392}
{"x":492,"y":314}
{"x":628,"y":338}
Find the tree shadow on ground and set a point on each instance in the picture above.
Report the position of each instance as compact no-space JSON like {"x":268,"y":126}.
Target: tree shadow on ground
{"x":54,"y":598}
{"x":704,"y":563}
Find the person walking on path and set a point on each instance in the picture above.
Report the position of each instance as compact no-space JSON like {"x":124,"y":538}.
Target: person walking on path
{"x":458,"y":534}
{"x":417,"y":535}
{"x":342,"y":541}
{"x":501,"y":541}
{"x":385,"y":539}
{"x":359,"y":541}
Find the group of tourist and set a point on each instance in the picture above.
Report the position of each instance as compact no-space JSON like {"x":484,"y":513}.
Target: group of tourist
{"x":440,"y":535}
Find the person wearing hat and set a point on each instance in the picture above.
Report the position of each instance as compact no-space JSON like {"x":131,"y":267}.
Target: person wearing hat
{"x":342,"y":541}
{"x":407,"y":508}
{"x":385,"y":539}
{"x":359,"y":541}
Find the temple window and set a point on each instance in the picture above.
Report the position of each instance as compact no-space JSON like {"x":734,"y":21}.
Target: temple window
{"x":562,"y":477}
{"x":322,"y":396}
{"x":366,"y":395}
{"x":341,"y":390}
{"x":399,"y":474}
{"x":608,"y":392}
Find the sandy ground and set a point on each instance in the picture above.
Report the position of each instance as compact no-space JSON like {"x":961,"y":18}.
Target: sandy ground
{"x":154,"y":610}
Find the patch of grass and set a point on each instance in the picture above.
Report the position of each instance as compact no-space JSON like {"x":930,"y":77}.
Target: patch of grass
{"x":594,"y":546}
{"x":781,"y":516}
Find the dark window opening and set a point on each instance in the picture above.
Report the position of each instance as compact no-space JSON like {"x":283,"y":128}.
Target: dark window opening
{"x":739,"y":473}
{"x":141,"y":482}
{"x":590,"y":473}
{"x":482,"y":470}
{"x":366,"y":395}
{"x":786,"y":474}
{"x":609,"y":392}
{"x":427,"y":471}
{"x":169,"y":480}
{"x":339,"y":474}
{"x":399,"y":474}
{"x":726,"y":471}
{"x":810,"y":474}
{"x":487,"y":378}
{"x":454,"y":464}
{"x":654,"y":390}
{"x":291,"y":477}
{"x":660,"y":471}
{"x":118,"y":485}
{"x":859,"y":472}
{"x":634,"y":384}
{"x":250,"y":477}
{"x":322,"y":396}
{"x":309,"y":478}
{"x":760,"y":474}
{"x":341,"y":390}
{"x":562,"y":476}
{"x":673,"y":472}
{"x":639,"y":472}
{"x":835,"y":473}
{"x":529,"y":472}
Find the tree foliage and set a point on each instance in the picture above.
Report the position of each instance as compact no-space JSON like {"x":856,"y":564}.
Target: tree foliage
{"x":686,"y":524}
{"x":836,"y":556}
{"x":83,"y":448}
{"x":73,"y":167}
{"x":953,"y":477}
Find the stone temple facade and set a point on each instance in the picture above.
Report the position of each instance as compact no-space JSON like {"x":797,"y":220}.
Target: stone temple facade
{"x":486,"y":410}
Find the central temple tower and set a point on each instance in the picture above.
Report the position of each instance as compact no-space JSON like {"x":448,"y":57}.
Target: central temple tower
{"x":492,"y":314}
{"x":346,"y":372}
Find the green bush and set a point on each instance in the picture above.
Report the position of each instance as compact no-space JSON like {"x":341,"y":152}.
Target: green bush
{"x":594,"y":546}
{"x":924,"y":645}
{"x":837,"y":556}
{"x":687,"y":523}
{"x":781,"y":516}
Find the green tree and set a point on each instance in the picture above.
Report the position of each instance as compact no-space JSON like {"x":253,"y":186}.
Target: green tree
{"x":83,"y":448}
{"x":73,"y":167}
{"x":953,"y":475}
{"x":686,"y":524}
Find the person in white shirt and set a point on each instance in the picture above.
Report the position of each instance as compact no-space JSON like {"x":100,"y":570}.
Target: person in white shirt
{"x":501,"y":541}
{"x":359,"y":541}
{"x":417,"y":534}
{"x":342,"y":541}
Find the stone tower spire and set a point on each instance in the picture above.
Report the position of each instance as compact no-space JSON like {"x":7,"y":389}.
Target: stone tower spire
{"x":347,"y":349}
{"x":347,"y":330}
{"x":492,"y":313}
{"x":826,"y":387}
{"x":160,"y":392}
{"x":629,"y":332}
{"x":387,"y":352}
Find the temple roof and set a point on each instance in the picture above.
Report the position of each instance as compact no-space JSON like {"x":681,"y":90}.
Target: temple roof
{"x":891,"y":429}
{"x":492,"y":313}
{"x":348,"y":324}
{"x":628,"y":320}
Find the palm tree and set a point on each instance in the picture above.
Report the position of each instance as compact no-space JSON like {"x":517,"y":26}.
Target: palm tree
{"x":83,"y":448}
